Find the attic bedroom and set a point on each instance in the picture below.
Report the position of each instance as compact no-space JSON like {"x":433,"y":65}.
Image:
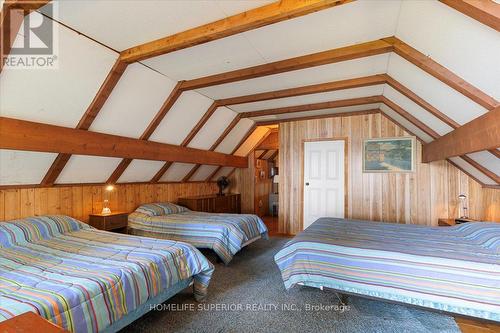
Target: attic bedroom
{"x":250,"y":166}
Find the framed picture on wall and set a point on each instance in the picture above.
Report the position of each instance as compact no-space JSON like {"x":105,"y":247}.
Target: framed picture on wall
{"x":389,"y":154}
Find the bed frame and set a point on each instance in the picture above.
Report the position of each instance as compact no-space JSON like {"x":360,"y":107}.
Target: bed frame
{"x":142,"y":309}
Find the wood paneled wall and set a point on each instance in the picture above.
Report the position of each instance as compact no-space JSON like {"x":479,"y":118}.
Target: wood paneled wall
{"x":420,"y":197}
{"x":80,"y":201}
{"x":243,"y":182}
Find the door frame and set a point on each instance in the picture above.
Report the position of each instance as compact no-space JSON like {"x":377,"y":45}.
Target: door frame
{"x":346,"y":173}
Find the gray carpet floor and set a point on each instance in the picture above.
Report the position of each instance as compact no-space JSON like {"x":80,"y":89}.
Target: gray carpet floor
{"x":252,"y":292}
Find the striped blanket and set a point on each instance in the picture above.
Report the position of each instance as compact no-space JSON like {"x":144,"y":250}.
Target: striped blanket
{"x":85,"y":280}
{"x":454,"y":269}
{"x":225,"y":234}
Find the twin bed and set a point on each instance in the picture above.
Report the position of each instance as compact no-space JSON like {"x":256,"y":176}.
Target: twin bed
{"x":453,"y":269}
{"x":225,"y":234}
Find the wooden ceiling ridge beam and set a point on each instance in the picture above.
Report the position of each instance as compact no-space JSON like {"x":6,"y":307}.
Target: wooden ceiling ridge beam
{"x":32,"y":136}
{"x":485,"y":11}
{"x":153,"y":125}
{"x":235,"y":24}
{"x":441,"y":73}
{"x":481,"y":133}
{"x":88,"y":118}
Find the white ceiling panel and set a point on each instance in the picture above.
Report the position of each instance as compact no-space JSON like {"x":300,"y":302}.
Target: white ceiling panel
{"x":203,"y":172}
{"x":234,"y":7}
{"x":309,"y":99}
{"x":438,"y":94}
{"x":128,"y":23}
{"x":207,"y":59}
{"x":225,"y":171}
{"x":140,"y":171}
{"x":351,"y":23}
{"x":320,"y":74}
{"x":414,"y":129}
{"x":252,"y":141}
{"x":234,"y":137}
{"x":134,"y":102}
{"x":23,"y":167}
{"x":176,"y":172}
{"x":331,"y":111}
{"x":213,"y":128}
{"x":181,"y":118}
{"x":57,"y":96}
{"x":473,"y":171}
{"x":417,"y":111}
{"x":88,"y":169}
{"x":465,"y":46}
{"x":488,"y":160}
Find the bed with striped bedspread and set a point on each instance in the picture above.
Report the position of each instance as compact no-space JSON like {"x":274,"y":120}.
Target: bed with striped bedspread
{"x":225,"y":234}
{"x":454,"y":269}
{"x":85,"y":280}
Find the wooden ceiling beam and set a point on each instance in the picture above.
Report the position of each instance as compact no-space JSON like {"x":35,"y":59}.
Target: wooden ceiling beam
{"x":262,"y":154}
{"x":323,"y":116}
{"x":482,"y":133}
{"x":311,"y":60}
{"x":313,"y":107}
{"x":235,"y":24}
{"x":485,"y":11}
{"x":87,"y":119}
{"x":481,"y":168}
{"x":273,"y":156}
{"x":307,"y":90}
{"x":495,"y":152}
{"x":441,"y":73}
{"x":31,"y":136}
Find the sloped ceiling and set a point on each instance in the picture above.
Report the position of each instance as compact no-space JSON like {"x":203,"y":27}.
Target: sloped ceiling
{"x":92,"y":33}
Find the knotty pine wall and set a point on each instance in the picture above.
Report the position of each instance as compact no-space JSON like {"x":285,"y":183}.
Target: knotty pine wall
{"x":80,"y":201}
{"x":419,"y":198}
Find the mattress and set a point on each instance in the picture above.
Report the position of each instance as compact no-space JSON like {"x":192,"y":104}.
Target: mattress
{"x":85,"y":280}
{"x":225,"y":234}
{"x":453,"y":269}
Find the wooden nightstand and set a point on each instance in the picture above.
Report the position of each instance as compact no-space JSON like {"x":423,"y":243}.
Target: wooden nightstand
{"x":116,"y":221}
{"x":29,"y":322}
{"x":446,"y":222}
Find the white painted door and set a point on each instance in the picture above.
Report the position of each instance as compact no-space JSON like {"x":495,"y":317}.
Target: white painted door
{"x":323,"y":180}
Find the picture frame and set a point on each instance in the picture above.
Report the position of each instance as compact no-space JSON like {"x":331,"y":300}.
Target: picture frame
{"x":389,"y":155}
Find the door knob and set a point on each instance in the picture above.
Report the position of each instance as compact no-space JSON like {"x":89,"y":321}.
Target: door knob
{"x":307,"y":184}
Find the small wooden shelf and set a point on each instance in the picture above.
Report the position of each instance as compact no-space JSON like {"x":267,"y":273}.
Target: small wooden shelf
{"x":116,"y":221}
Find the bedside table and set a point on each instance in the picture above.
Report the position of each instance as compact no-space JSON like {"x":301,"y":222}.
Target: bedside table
{"x":116,"y":221}
{"x":446,"y":222}
{"x":29,"y":322}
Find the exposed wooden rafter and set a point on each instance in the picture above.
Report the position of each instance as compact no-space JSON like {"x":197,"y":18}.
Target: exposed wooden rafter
{"x":11,"y":18}
{"x":153,"y":125}
{"x":441,"y":73}
{"x":484,"y":11}
{"x":481,"y":168}
{"x":88,"y":118}
{"x":482,"y":133}
{"x":252,"y":19}
{"x":31,"y":136}
{"x":323,"y":116}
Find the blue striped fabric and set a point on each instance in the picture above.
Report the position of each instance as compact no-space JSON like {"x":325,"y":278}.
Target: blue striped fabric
{"x":225,"y":234}
{"x":454,"y":269}
{"x":83,"y":279}
{"x":161,"y":208}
